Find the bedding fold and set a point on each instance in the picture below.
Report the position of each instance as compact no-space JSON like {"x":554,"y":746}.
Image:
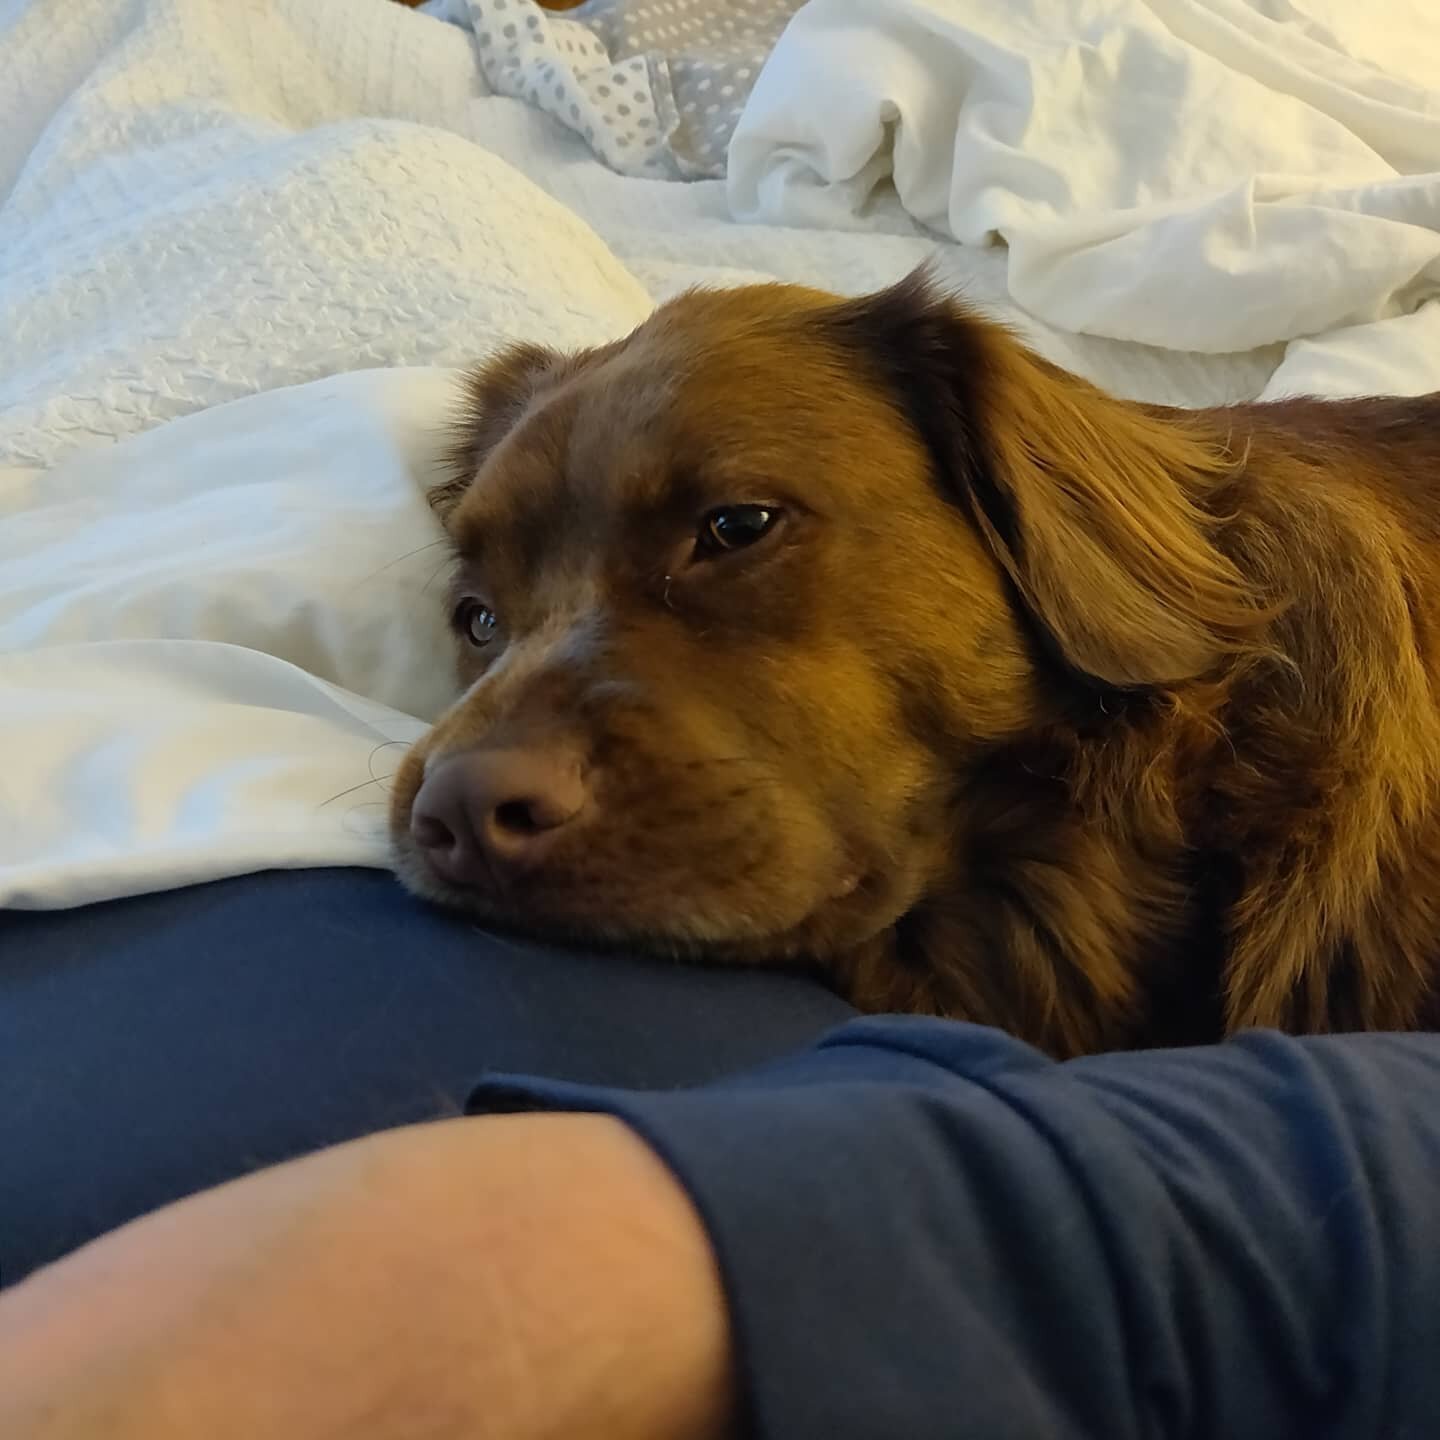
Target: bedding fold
{"x":1208,"y":175}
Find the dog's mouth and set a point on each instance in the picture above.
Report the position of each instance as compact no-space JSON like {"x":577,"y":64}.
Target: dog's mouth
{"x":678,"y":856}
{"x":666,"y":911}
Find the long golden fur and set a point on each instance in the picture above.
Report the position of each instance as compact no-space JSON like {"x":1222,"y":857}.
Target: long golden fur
{"x":1104,"y":723}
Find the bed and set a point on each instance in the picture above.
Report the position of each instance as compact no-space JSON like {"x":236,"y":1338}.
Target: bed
{"x":246,"y":248}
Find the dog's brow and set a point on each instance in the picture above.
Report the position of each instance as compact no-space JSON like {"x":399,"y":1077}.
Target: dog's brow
{"x":685,"y":490}
{"x":469,"y":538}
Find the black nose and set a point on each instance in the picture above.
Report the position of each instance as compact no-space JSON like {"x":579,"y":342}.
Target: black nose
{"x":482,"y":811}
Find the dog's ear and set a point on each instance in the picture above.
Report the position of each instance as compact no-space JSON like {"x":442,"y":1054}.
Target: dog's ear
{"x":493,"y":397}
{"x":1103,"y":514}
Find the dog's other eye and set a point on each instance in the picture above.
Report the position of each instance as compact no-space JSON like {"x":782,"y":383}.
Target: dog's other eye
{"x":476,"y":622}
{"x":733,"y":527}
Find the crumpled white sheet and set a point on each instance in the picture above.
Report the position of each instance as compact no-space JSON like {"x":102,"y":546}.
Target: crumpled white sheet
{"x":1207,"y":175}
{"x":217,"y":638}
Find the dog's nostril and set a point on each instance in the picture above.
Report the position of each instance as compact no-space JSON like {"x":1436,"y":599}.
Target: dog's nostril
{"x":482,"y":811}
{"x":429,"y":832}
{"x":521,"y":817}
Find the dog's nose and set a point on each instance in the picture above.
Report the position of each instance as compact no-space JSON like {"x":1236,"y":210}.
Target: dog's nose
{"x":480,"y":811}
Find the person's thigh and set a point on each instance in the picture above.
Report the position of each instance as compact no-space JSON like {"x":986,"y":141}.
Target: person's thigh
{"x":154,"y":1046}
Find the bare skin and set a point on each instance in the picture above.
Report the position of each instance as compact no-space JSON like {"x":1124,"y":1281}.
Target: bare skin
{"x":524,"y":1277}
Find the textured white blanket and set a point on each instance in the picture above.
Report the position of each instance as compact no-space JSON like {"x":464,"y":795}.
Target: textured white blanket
{"x":202,"y":200}
{"x":1203,"y":174}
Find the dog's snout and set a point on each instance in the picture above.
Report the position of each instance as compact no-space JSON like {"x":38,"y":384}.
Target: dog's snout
{"x":480,"y":812}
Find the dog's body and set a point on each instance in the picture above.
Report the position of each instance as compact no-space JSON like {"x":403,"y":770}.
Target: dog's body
{"x":851,"y":631}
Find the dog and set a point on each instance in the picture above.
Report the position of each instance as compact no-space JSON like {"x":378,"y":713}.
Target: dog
{"x":851,"y":633}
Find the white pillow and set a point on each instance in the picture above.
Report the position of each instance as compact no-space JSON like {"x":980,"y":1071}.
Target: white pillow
{"x":278,"y":522}
{"x":215,"y":639}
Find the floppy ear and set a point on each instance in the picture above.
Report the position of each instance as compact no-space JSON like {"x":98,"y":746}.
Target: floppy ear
{"x":493,"y":398}
{"x":1104,"y":514}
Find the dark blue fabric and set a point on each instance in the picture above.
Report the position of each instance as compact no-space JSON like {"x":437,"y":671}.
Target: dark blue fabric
{"x":154,"y":1046}
{"x":925,"y":1229}
{"x":930,"y":1230}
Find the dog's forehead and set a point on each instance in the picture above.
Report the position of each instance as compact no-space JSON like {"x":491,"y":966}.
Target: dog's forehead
{"x":577,"y":478}
{"x":650,"y":423}
{"x":620,"y":424}
{"x":693,"y":411}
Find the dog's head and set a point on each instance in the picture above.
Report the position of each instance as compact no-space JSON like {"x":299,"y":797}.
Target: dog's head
{"x":743,"y":599}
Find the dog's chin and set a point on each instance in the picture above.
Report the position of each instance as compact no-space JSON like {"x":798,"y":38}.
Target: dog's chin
{"x":829,"y":919}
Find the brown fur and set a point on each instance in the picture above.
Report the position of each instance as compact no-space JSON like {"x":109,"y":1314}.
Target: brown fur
{"x":1107,"y":724}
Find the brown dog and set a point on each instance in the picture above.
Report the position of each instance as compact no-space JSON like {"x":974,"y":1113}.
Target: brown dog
{"x":851,"y":631}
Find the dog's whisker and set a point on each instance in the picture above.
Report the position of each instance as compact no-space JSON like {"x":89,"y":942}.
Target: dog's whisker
{"x":399,"y":560}
{"x":370,"y":759}
{"x":363,"y":785}
{"x":435,"y":574}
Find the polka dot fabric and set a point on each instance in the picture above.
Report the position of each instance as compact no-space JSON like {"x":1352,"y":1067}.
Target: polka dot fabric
{"x":654,"y":86}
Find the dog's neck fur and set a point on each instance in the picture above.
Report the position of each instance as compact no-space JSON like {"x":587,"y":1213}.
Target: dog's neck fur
{"x":1078,"y":911}
{"x":1260,"y":847}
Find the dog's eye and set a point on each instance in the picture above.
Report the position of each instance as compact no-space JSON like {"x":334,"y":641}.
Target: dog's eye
{"x":733,"y":527}
{"x":476,"y":622}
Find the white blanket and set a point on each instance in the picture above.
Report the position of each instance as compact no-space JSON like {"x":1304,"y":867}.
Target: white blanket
{"x":216,"y":638}
{"x":218,"y":207}
{"x":217,"y":631}
{"x":1203,"y":174}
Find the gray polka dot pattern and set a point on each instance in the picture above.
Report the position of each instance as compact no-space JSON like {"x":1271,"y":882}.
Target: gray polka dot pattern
{"x":654,"y":86}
